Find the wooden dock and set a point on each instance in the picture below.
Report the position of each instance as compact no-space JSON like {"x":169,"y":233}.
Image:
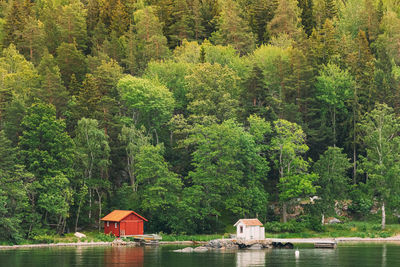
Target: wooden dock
{"x":318,"y":242}
{"x":327,"y":244}
{"x":152,"y":239}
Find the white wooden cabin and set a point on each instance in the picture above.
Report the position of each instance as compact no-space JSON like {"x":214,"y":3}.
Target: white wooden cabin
{"x":249,"y":229}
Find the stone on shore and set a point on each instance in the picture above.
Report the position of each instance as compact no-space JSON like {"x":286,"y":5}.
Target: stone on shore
{"x":79,"y":235}
{"x":185,"y":250}
{"x":222,"y":243}
{"x":201,"y":249}
{"x":334,"y":221}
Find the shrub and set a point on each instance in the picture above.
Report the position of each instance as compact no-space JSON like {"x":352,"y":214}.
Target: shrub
{"x":47,"y":239}
{"x":105,"y":238}
{"x":273,"y":227}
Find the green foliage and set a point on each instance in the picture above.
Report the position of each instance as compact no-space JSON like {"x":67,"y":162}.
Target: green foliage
{"x":227,"y":167}
{"x":213,"y":93}
{"x":225,"y":103}
{"x":333,"y":89}
{"x":233,"y":30}
{"x":380,"y":128}
{"x":333,"y":184}
{"x":147,"y":102}
{"x":150,"y":41}
{"x":158,"y":187}
{"x":288,"y":145}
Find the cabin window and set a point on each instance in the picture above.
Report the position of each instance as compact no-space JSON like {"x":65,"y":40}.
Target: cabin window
{"x":108,"y":224}
{"x":241,"y":229}
{"x":115,"y":225}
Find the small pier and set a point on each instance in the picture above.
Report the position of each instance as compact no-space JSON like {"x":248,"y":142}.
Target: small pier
{"x":327,"y":244}
{"x":318,"y":242}
{"x":152,"y":239}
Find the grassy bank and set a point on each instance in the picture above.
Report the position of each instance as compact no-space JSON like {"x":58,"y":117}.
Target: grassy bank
{"x":349,"y":229}
{"x":273,"y":230}
{"x":166,"y":237}
{"x":93,"y":236}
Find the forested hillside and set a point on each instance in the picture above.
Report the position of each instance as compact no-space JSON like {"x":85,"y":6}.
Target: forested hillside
{"x":195,"y":113}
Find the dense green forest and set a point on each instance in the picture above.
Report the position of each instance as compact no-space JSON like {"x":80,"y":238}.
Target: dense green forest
{"x":195,"y":113}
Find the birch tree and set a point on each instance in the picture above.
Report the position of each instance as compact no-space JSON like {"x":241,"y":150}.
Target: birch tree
{"x":381,"y":130}
{"x":92,"y":154}
{"x":288,"y":147}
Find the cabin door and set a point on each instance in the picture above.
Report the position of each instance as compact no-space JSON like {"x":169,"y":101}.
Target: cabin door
{"x":123,"y":227}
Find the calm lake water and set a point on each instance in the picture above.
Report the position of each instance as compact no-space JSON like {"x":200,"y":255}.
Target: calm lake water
{"x":384,"y":255}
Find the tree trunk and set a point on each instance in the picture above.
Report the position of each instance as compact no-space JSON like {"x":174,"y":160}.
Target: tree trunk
{"x":90,"y":204}
{"x":77,"y":216}
{"x":323,"y":219}
{"x":99,"y":196}
{"x":383,"y":216}
{"x":284,"y":212}
{"x":334,"y":127}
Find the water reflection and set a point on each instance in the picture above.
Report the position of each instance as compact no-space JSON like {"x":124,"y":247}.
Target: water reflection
{"x":247,"y":258}
{"x":128,"y":256}
{"x":384,"y":255}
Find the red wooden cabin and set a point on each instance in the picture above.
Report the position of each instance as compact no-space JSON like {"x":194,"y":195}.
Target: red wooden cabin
{"x":123,"y":223}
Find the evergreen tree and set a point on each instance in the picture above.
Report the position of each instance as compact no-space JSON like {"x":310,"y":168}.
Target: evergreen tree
{"x":52,"y":89}
{"x":286,"y":19}
{"x":15,"y":21}
{"x":233,"y":30}
{"x":32,"y":39}
{"x":180,"y":28}
{"x":71,"y":62}
{"x":72,"y":21}
{"x":151,"y":43}
{"x":307,"y":16}
{"x":330,"y":10}
{"x":197,"y":20}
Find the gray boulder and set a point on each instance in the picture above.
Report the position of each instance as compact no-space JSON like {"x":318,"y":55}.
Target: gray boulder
{"x":79,"y":235}
{"x":200,"y":249}
{"x":334,"y":221}
{"x":185,"y":250}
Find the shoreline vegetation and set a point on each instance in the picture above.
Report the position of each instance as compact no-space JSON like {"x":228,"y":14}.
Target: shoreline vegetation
{"x":395,"y":239}
{"x":196,"y":113}
{"x":344,"y":232}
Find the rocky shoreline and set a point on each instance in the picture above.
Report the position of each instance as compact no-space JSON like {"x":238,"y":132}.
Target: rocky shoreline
{"x":213,"y":244}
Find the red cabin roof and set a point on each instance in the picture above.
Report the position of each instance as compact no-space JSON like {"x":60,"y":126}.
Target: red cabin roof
{"x":119,"y":215}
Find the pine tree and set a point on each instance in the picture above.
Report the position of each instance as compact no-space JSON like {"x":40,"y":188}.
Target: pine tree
{"x":72,"y":23}
{"x":323,"y":45}
{"x":210,"y":10}
{"x":286,"y":19}
{"x":361,"y":66}
{"x":15,"y":21}
{"x":180,"y":28}
{"x":151,"y":43}
{"x":52,"y":89}
{"x":307,"y":16}
{"x":330,"y":10}
{"x":71,"y":61}
{"x":197,"y":20}
{"x":233,"y":30}
{"x":32,"y":39}
{"x":258,"y":14}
